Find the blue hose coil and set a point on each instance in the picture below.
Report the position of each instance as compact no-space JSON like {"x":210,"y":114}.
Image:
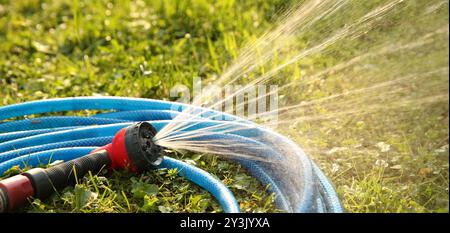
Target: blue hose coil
{"x":54,"y":122}
{"x":303,"y":189}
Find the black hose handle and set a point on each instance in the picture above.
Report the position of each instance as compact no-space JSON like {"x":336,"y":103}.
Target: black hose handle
{"x":46,"y":181}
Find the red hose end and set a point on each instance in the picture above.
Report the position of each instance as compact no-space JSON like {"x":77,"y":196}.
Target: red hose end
{"x":16,"y":190}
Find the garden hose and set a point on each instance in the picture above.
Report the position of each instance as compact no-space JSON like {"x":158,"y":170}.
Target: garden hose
{"x":40,"y":140}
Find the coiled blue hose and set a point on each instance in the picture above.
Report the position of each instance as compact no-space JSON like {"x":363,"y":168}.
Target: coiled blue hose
{"x":299,"y":185}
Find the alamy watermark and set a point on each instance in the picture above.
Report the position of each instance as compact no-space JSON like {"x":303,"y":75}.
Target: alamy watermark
{"x":258,"y":102}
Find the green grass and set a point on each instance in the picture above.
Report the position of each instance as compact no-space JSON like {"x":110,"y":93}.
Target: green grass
{"x":143,"y":48}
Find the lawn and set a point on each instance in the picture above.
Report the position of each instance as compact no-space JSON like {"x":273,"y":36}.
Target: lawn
{"x":380,"y":158}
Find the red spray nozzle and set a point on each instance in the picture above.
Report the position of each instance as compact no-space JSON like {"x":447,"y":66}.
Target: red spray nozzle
{"x":133,"y":146}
